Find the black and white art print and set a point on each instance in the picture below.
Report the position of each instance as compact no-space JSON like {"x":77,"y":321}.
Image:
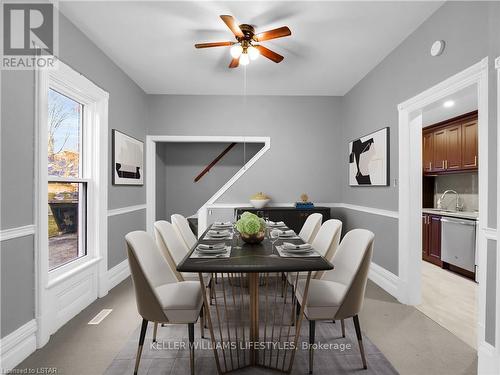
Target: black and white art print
{"x":369,"y":159}
{"x":128,"y":160}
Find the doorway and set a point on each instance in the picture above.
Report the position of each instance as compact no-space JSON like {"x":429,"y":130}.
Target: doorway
{"x":153,"y":145}
{"x":450,"y":198}
{"x":411,"y":179}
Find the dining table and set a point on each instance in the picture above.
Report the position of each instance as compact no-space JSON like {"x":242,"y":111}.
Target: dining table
{"x":250,"y":309}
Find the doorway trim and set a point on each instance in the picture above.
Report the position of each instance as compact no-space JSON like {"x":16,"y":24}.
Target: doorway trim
{"x":410,"y":183}
{"x":151,"y":141}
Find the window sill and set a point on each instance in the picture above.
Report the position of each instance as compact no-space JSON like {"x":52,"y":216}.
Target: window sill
{"x":75,"y":269}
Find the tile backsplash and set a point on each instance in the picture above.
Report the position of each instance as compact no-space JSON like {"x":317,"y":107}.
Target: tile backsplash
{"x":465,"y":184}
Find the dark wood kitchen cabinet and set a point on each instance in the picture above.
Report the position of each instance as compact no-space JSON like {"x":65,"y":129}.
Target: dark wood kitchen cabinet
{"x":450,"y":146}
{"x":454,"y":147}
{"x":439,"y":151}
{"x":469,"y":144}
{"x":293,"y":217}
{"x":428,"y":151}
{"x":431,"y":239}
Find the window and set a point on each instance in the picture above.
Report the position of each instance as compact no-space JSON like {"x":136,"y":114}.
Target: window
{"x":67,"y":186}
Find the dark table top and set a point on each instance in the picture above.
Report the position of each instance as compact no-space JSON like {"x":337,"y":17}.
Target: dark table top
{"x":244,"y":257}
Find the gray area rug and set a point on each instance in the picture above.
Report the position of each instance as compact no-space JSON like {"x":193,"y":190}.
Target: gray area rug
{"x":171,"y":355}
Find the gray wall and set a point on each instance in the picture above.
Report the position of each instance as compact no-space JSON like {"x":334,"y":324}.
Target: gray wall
{"x":118,"y":227}
{"x":127,"y":112}
{"x":471,"y":31}
{"x":304,"y":131}
{"x":407,"y":71}
{"x":384,"y":244}
{"x":491,"y":274}
{"x":17,"y":283}
{"x":179,"y":163}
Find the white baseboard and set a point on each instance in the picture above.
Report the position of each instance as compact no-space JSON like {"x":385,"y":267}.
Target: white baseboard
{"x":488,"y":360}
{"x":18,"y":345}
{"x":384,"y":279}
{"x":118,"y":273}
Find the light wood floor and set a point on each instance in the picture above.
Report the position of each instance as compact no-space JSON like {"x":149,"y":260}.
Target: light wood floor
{"x":450,"y":300}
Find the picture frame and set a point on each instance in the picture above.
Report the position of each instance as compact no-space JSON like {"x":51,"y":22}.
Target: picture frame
{"x":369,"y":159}
{"x":127,"y":159}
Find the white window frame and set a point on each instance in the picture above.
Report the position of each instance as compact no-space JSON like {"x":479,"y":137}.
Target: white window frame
{"x":51,"y":284}
{"x":84,"y":173}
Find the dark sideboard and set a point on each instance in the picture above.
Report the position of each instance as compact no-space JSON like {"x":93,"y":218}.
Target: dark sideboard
{"x":293,"y":217}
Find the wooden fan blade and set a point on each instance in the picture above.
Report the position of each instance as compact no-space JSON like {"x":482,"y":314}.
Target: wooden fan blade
{"x":273,"y":34}
{"x":234,"y":63}
{"x":214,"y":44}
{"x":231,"y":23}
{"x":266,"y":52}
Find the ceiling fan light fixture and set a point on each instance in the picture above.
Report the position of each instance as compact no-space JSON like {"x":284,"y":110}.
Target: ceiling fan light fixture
{"x":253,"y":53}
{"x":236,"y":51}
{"x":244,"y":59}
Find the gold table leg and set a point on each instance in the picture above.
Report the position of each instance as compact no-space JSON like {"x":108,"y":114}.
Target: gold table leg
{"x":209,"y":318}
{"x":253,"y":289}
{"x":299,"y":321}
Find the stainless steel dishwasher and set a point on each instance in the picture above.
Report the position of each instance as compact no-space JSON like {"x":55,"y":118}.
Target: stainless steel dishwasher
{"x":458,"y":242}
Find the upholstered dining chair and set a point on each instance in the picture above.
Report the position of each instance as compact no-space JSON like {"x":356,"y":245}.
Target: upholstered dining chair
{"x":182,"y":225}
{"x":339,"y":293}
{"x":160,"y":297}
{"x":174,"y":250}
{"x":325,"y":242}
{"x":311,"y":227}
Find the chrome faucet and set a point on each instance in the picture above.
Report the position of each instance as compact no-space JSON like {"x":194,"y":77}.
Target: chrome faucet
{"x":458,"y":206}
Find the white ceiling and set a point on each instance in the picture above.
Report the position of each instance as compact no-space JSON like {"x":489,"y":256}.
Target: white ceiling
{"x":332,"y":47}
{"x":465,"y":101}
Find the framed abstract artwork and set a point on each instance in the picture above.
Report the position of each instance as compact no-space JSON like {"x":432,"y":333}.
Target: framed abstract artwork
{"x":128,"y":160}
{"x":369,"y":159}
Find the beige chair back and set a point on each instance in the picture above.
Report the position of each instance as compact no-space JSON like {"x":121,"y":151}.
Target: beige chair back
{"x":182,"y":225}
{"x":149,"y":270}
{"x":351,"y":266}
{"x":327,"y":239}
{"x":311,"y":227}
{"x":171,"y":245}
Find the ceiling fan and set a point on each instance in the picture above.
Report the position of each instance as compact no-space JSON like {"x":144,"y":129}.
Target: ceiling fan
{"x":245,"y":47}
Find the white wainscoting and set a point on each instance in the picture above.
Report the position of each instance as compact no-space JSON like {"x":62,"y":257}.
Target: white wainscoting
{"x":489,"y":362}
{"x":70,"y":295}
{"x":370,"y":210}
{"x":18,"y":345}
{"x":118,"y":273}
{"x":125,"y":210}
{"x":384,"y":279}
{"x":11,"y":233}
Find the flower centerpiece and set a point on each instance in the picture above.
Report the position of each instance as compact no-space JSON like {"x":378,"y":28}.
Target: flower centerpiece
{"x":251,"y":227}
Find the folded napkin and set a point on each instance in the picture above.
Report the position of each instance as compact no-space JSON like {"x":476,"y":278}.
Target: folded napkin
{"x":293,"y":246}
{"x":204,"y":246}
{"x":277,"y":232}
{"x":276,"y":223}
{"x":223,"y":224}
{"x":211,"y":231}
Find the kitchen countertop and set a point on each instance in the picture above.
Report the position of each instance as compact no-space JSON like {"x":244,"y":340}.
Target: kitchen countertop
{"x":471,"y":215}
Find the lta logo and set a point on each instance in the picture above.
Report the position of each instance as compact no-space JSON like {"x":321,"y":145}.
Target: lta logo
{"x":29,"y":35}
